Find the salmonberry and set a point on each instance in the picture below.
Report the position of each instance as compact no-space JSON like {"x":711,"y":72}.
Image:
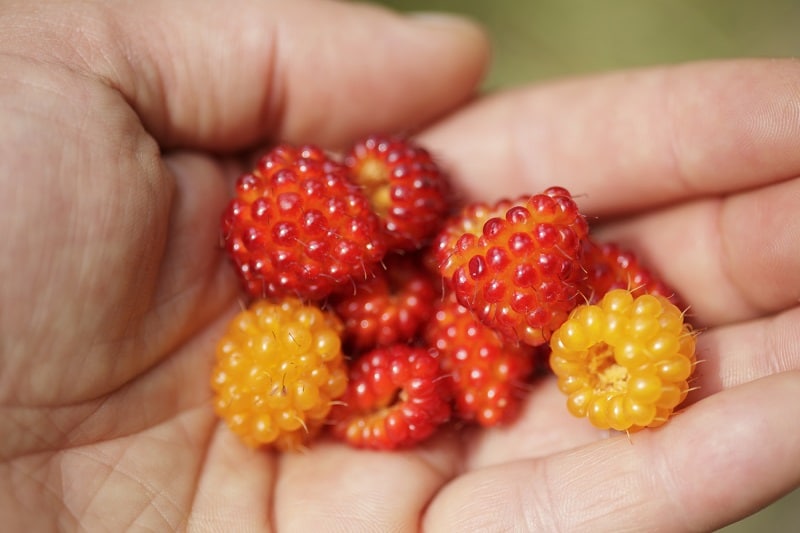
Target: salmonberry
{"x":460,"y":234}
{"x":406,"y":187}
{"x":487,"y":372}
{"x":608,"y":266}
{"x":521,"y":273}
{"x":441,"y":313}
{"x":298,"y":227}
{"x":388,"y":308}
{"x":625,"y":362}
{"x":279,"y":367}
{"x":396,"y":397}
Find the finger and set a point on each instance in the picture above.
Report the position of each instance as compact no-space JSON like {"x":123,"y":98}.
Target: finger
{"x":146,"y":480}
{"x":686,"y":476}
{"x":544,"y":427}
{"x":631,"y":140}
{"x":223,"y":76}
{"x":731,"y":259}
{"x":234,"y":486}
{"x":732,"y":355}
{"x":337,"y":488}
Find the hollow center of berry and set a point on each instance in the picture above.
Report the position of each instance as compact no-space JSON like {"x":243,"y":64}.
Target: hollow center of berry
{"x":388,"y":403}
{"x":606,"y":374}
{"x":373,"y":176}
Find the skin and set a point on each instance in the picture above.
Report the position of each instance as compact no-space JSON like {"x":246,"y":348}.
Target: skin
{"x":124,"y":126}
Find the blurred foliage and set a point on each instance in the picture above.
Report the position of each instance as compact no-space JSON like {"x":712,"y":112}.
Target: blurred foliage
{"x":536,"y":39}
{"x":542,"y":39}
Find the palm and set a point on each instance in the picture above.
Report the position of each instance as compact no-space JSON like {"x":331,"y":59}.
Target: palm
{"x":121,"y":400}
{"x":116,"y":289}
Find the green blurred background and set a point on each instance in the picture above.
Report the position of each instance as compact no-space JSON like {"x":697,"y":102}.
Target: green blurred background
{"x":543,"y":39}
{"x":540,"y":39}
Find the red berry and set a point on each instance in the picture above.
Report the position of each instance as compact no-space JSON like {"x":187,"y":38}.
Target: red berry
{"x":388,"y":308}
{"x":487,"y":372}
{"x":396,"y":397}
{"x":298,"y":227}
{"x":279,"y":367}
{"x":460,"y":233}
{"x":609,"y":267}
{"x":405,"y":186}
{"x":520,"y":275}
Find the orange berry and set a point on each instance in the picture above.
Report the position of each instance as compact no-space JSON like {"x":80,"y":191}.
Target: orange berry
{"x":625,"y":361}
{"x":278,"y":367}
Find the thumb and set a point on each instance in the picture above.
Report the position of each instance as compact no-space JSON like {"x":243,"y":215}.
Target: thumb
{"x":223,"y":76}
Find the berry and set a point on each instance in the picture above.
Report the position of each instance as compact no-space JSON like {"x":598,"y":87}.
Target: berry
{"x":298,"y":227}
{"x":405,"y":186}
{"x":608,"y":267}
{"x":396,"y":397}
{"x":279,"y":366}
{"x":487,"y":373}
{"x":624,"y":362}
{"x":520,"y":275}
{"x":461,"y":233}
{"x":388,"y":308}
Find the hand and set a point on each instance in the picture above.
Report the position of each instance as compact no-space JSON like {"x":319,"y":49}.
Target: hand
{"x":114,"y":292}
{"x":113,"y":286}
{"x":696,"y":168}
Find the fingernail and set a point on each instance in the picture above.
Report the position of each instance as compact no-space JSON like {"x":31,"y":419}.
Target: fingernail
{"x":442,"y":19}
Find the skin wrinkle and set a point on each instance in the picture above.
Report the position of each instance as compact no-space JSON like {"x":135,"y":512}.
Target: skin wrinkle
{"x":758,"y":367}
{"x":158,"y":499}
{"x":726,"y":243}
{"x":82,"y":301}
{"x":81,"y":51}
{"x":163,"y":80}
{"x":68,"y":434}
{"x":666,"y":482}
{"x":224,"y":508}
{"x":72,"y":436}
{"x":426,"y":458}
{"x":125,"y":67}
{"x":541,"y":512}
{"x":271,"y":112}
{"x":271,"y":518}
{"x":24,"y":481}
{"x":728,"y":214}
{"x":678,"y":170}
{"x":98,"y":407}
{"x":140,"y":510}
{"x":722,"y":251}
{"x":178,"y":507}
{"x":82,"y":511}
{"x":769,"y":338}
{"x":608,"y":495}
{"x":765,"y":126}
{"x":183,"y":169}
{"x":127,"y":331}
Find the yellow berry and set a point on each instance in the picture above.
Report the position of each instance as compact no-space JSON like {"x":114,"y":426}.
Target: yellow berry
{"x":278,"y":368}
{"x":625,"y":362}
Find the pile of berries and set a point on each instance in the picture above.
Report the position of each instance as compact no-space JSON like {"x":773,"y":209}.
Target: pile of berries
{"x":380,"y":309}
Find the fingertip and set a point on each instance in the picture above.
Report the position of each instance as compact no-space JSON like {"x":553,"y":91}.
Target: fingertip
{"x":465,"y":36}
{"x":395,"y":72}
{"x":462,"y":30}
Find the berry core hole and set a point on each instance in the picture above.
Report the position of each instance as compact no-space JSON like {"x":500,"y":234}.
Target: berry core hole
{"x":605,"y":373}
